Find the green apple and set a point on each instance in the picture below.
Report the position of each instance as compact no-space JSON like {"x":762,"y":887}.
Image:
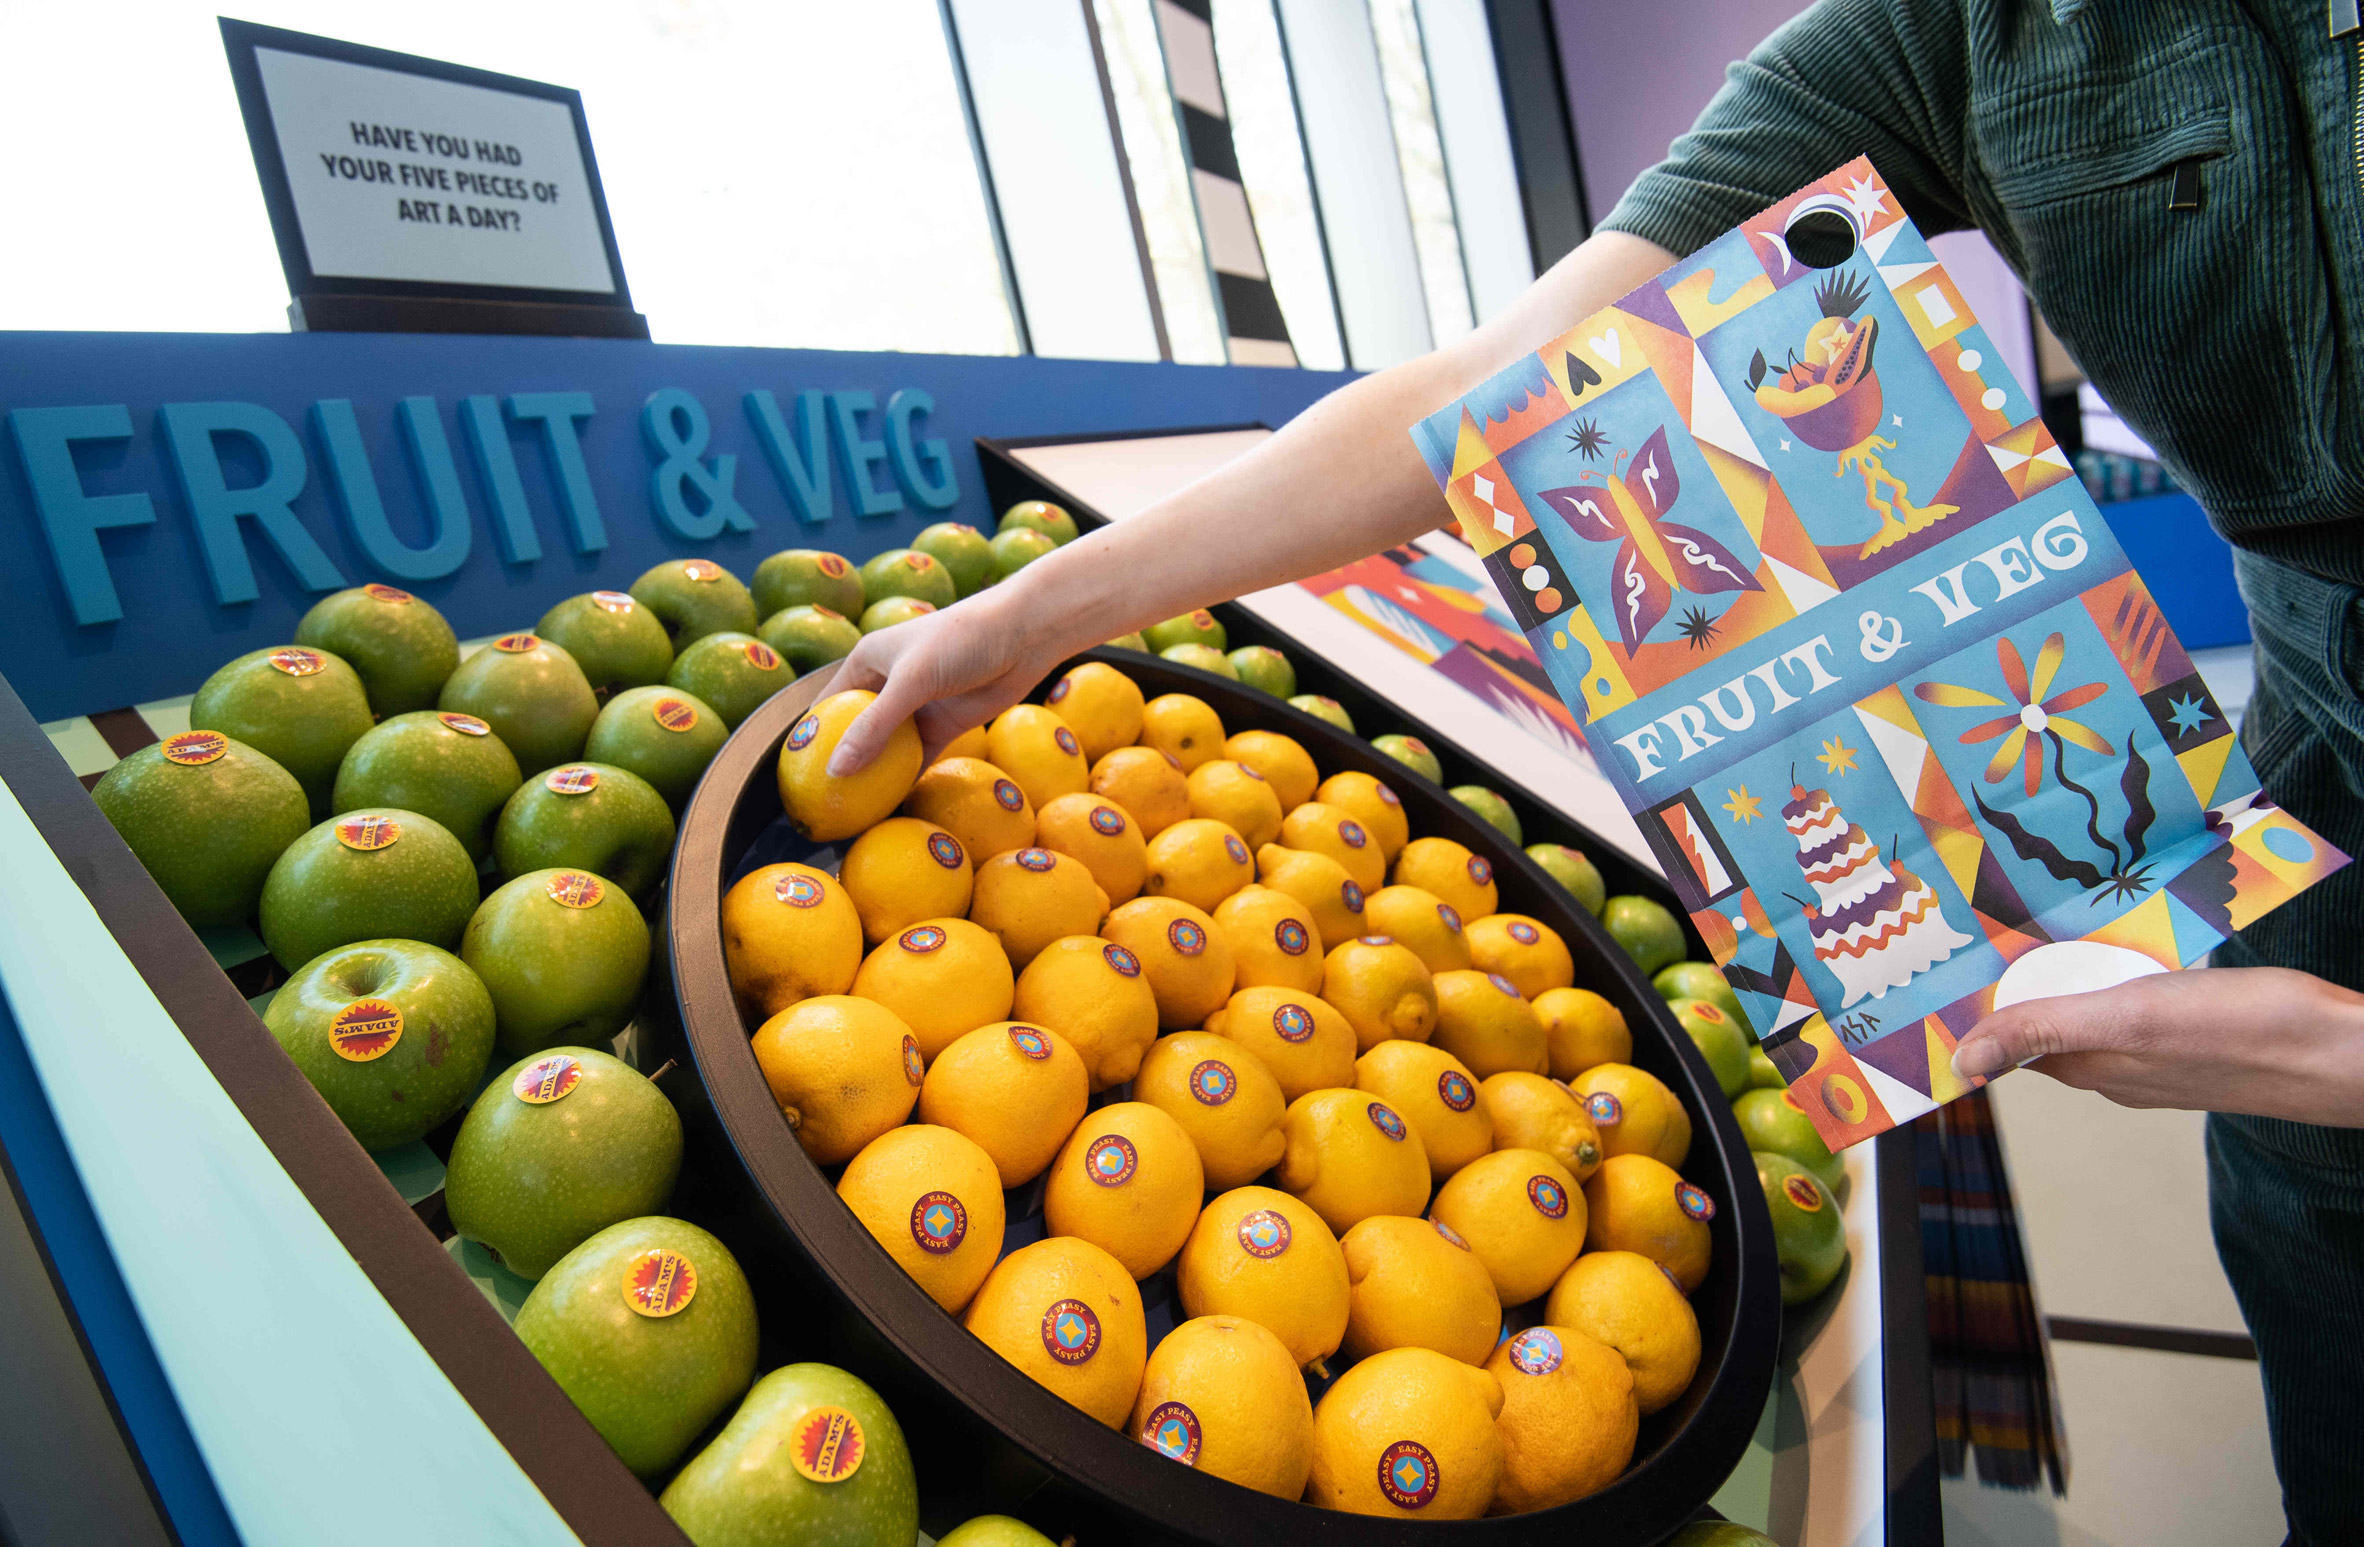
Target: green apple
{"x":1719,"y":1039}
{"x":731,"y":673}
{"x":447,"y":765}
{"x":962,"y":550}
{"x":1265,"y":669}
{"x":617,"y":642}
{"x":1763,"y":1073}
{"x":1204,"y":657}
{"x":1572,"y":870}
{"x":1132,"y":641}
{"x":994,"y":1531}
{"x":588,"y":816}
{"x":796,"y":577}
{"x":1699,"y":980}
{"x":299,"y":707}
{"x":1042,"y":516}
{"x":1492,"y":807}
{"x":1413,"y":753}
{"x":810,"y":635}
{"x":1325,"y":709}
{"x":562,"y":1144}
{"x":563,"y":954}
{"x":401,"y":648}
{"x":665,"y":735}
{"x":532,"y":693}
{"x":744,"y":1491}
{"x":394,"y":1035}
{"x":908,"y":572}
{"x":649,"y":1384}
{"x":379,"y":873}
{"x":1809,"y":1238}
{"x":1714,"y":1533}
{"x":694,"y":598}
{"x":1192,"y":628}
{"x":892,"y":610}
{"x":1649,"y":933}
{"x":1016,"y":548}
{"x":1770,"y":1120}
{"x":208,"y":816}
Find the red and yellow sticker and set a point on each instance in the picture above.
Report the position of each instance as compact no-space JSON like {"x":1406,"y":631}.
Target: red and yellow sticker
{"x":1800,"y":1190}
{"x":194,"y":749}
{"x":393,"y":596}
{"x":761,"y":656}
{"x":614,"y":601}
{"x":547,"y":1079}
{"x":659,"y":1282}
{"x":575,"y":889}
{"x":826,"y":1445}
{"x":674,"y":715}
{"x":700,"y":570}
{"x":368,"y":832}
{"x":574,"y":779}
{"x":517,"y":644}
{"x":465,"y":724}
{"x":298,"y":662}
{"x":365,"y":1029}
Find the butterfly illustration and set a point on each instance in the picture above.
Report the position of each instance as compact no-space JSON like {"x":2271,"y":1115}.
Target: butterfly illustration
{"x":1655,"y":557}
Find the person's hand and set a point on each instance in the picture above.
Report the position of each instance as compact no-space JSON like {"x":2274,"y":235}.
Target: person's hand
{"x":947,"y":671}
{"x":2258,"y":1040}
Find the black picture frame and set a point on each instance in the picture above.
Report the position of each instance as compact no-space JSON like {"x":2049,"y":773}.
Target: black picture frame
{"x":345,"y":303}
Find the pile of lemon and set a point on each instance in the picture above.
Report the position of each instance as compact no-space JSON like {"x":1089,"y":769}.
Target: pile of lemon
{"x":1359,"y":1111}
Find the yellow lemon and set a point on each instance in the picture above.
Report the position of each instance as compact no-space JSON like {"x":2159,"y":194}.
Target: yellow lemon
{"x":1628,"y":1302}
{"x":1128,"y":1180}
{"x":1350,"y":1156}
{"x":1238,"y":797}
{"x":1101,"y":705}
{"x":1222,"y":1096}
{"x":843,"y":1070}
{"x":1522,"y":1213}
{"x":976,"y":803}
{"x":1030,"y":897}
{"x":1147,"y":783}
{"x":1568,"y":1417}
{"x":1093,"y":994}
{"x":1189,"y":970}
{"x":1370,"y":802}
{"x":1318,"y":829}
{"x":1321,"y":885}
{"x":1184,"y":727}
{"x":1481,"y":1020}
{"x":1634,"y":1112}
{"x":1452,"y":873}
{"x":1284,"y":764}
{"x":824,"y":807}
{"x":1421,"y":921}
{"x":1641,"y":1205}
{"x":969,"y":743}
{"x":933,"y":1200}
{"x":1305,"y":1043}
{"x":1013,"y":1089}
{"x":1382,"y":989}
{"x":1069,"y":1317}
{"x":789,"y":932}
{"x":1200,"y":862}
{"x":904,"y":870}
{"x":1415,"y":1284}
{"x":1408,"y":1433}
{"x":1265,"y":1256}
{"x":1097,"y":832}
{"x":1432,"y":1092}
{"x":1220,"y":1394}
{"x":1036,"y":748}
{"x":1527,"y":951}
{"x":1271,"y":936}
{"x":1527,"y":1111}
{"x":1581,"y":1029}
{"x":943,"y":978}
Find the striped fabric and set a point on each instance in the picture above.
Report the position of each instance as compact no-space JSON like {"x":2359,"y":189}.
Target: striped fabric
{"x":1254,"y":332}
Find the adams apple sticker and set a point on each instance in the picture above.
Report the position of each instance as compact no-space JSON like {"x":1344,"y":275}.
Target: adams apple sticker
{"x":365,"y":1029}
{"x":659,"y":1283}
{"x":547,"y":1079}
{"x":826,"y":1445}
{"x":194,"y":749}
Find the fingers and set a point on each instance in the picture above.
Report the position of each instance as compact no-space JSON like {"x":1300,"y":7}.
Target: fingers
{"x":903,"y":685}
{"x":2103,"y":1021}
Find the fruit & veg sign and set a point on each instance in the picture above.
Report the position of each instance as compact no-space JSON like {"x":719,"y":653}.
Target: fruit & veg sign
{"x":1908,"y":734}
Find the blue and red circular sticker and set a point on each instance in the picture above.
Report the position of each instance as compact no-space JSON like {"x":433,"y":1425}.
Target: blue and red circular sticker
{"x":1503,"y":983}
{"x":1236,"y":849}
{"x":1384,"y":1119}
{"x":801,"y":734}
{"x":1537,"y":1351}
{"x":797,"y":891}
{"x":1523,"y":932}
{"x":1694,"y":1202}
{"x":1070,"y":1332}
{"x":1455,"y":1091}
{"x":1376,"y":939}
{"x":1451,"y":916}
{"x":1108,"y":822}
{"x":1212,"y":1082}
{"x":1186,"y":937}
{"x":945,"y":850}
{"x":1548,"y":1196}
{"x":1011,"y":797}
{"x":1290,"y":936}
{"x":1111,"y":1160}
{"x":1292,"y":1023}
{"x":1351,"y":834}
{"x":1172,"y":1430}
{"x":1067,"y":742}
{"x":1124,"y":961}
{"x":1030,"y":1041}
{"x":1353,"y":897}
{"x":1480,"y":871}
{"x":915,"y":1067}
{"x":1605,"y":1110}
{"x":938,"y":1223}
{"x":1449,"y":1233}
{"x":1060,"y":689}
{"x":921,"y":939}
{"x":1408,"y":1474}
{"x":1036,"y":860}
{"x":1264,"y":1233}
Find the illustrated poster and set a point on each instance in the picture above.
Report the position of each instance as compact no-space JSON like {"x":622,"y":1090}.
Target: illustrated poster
{"x":1906,"y":731}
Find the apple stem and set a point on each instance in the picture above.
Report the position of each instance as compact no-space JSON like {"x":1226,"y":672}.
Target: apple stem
{"x":662,"y":1070}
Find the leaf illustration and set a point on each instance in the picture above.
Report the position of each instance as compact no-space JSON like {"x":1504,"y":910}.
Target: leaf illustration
{"x":1756,"y":370}
{"x":2034,"y":846}
{"x":2135,"y":785}
{"x":2092,"y":802}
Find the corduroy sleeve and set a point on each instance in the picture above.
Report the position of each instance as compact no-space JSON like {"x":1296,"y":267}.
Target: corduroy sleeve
{"x":1880,"y":78}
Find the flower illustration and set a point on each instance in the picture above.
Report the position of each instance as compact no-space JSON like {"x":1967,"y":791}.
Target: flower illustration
{"x":2033,"y":716}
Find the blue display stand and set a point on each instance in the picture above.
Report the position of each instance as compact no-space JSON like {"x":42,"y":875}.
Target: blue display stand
{"x":2188,"y":568}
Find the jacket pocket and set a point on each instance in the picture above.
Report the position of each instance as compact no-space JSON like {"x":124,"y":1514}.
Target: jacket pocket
{"x":2045,"y":177}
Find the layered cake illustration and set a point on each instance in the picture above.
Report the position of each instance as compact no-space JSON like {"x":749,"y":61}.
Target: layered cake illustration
{"x":1875,"y":924}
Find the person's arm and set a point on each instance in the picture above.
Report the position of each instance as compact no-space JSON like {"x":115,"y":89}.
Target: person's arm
{"x":1341,"y":481}
{"x":2260,"y":1040}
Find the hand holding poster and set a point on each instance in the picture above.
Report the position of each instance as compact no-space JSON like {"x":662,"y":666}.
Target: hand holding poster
{"x":1907,"y":732}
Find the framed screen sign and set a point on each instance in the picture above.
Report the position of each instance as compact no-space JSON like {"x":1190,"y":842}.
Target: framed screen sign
{"x":398,"y":186}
